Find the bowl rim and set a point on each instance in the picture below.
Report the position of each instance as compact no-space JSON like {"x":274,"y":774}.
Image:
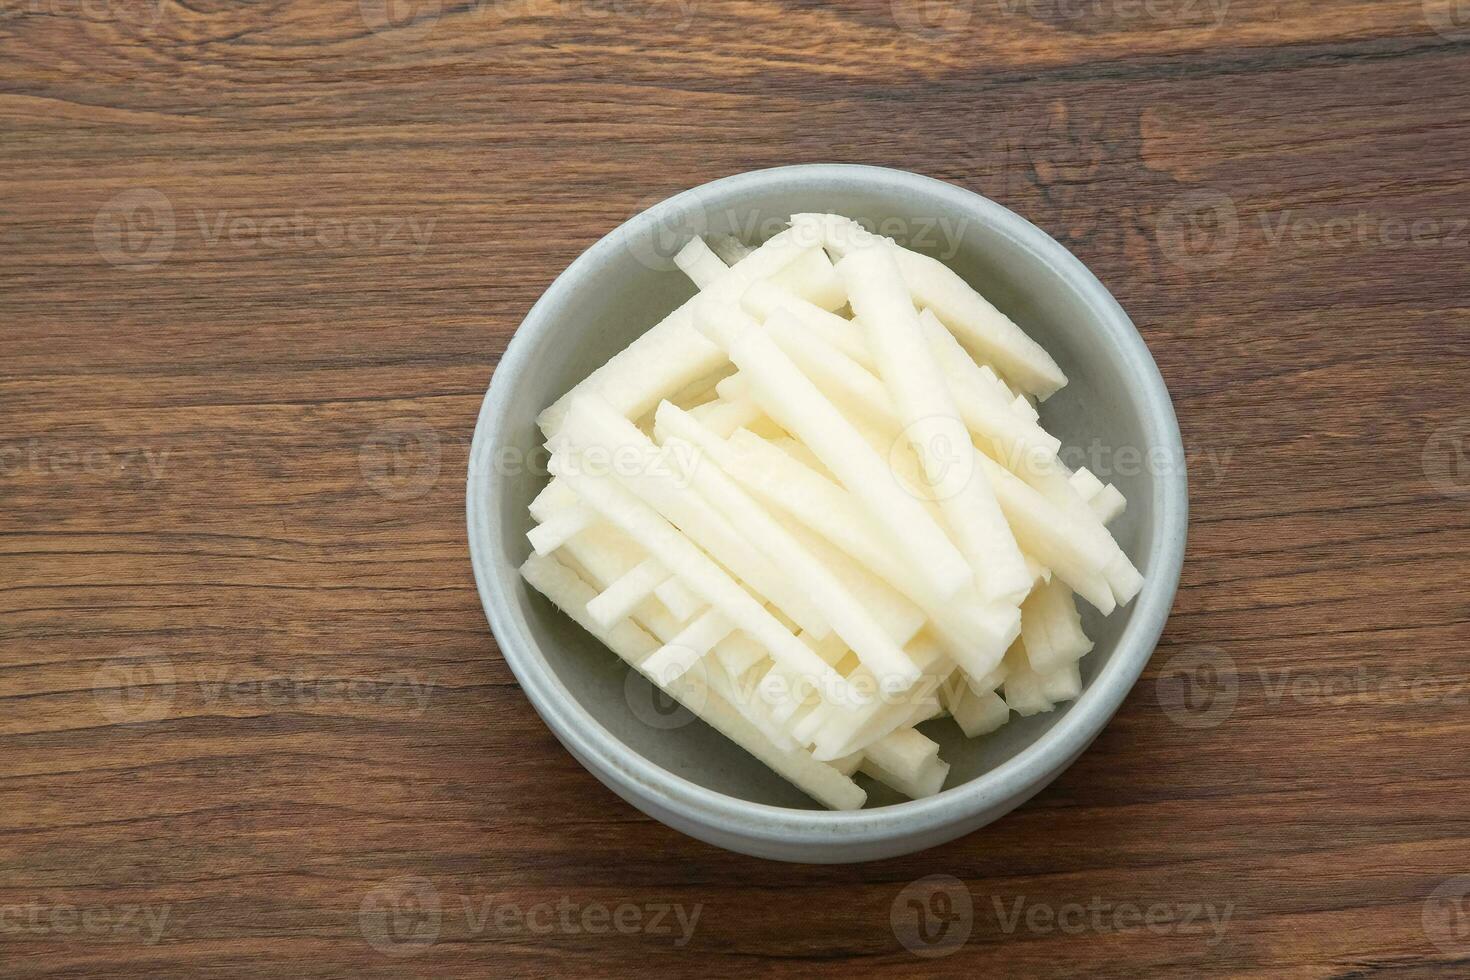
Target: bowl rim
{"x":1026,"y":772}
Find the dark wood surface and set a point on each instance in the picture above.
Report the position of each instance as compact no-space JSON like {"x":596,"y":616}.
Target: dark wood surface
{"x":257,"y":264}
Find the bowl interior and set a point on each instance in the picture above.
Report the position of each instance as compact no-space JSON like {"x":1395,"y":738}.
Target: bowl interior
{"x":628,"y":282}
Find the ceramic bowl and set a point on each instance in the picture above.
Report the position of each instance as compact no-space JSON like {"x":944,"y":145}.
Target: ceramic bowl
{"x":1114,"y":416}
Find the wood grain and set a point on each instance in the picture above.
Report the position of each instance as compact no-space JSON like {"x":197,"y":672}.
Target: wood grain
{"x":260,"y":261}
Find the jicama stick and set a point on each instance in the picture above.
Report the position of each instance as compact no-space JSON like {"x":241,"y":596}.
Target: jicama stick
{"x":907,"y":761}
{"x":794,"y":402}
{"x":729,"y":248}
{"x":931,"y":421}
{"x":848,"y":617}
{"x":991,"y":334}
{"x":702,"y":266}
{"x":652,"y":474}
{"x":977,"y":714}
{"x":821,"y":782}
{"x":986,"y":410}
{"x":1105,"y":502}
{"x":603,"y":554}
{"x":677,"y":553}
{"x":619,"y":599}
{"x":673,"y":354}
{"x":689,"y":646}
{"x":727,"y":415}
{"x":553,"y":533}
{"x":1028,"y":691}
{"x":812,"y":276}
{"x":972,"y":635}
{"x":764,"y":297}
{"x":555,"y":498}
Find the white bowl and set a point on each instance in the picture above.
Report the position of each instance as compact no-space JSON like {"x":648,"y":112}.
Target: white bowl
{"x":687,"y":775}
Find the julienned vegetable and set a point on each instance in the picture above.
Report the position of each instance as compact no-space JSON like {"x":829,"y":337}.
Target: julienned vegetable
{"x":816,"y":506}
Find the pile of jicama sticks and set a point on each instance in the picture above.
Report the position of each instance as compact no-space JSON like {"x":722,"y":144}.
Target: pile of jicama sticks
{"x":815,"y":505}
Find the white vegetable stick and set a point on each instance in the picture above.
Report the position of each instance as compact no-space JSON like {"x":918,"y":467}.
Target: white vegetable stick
{"x":553,"y":497}
{"x":1063,"y":625}
{"x":680,"y":555}
{"x":837,"y":733}
{"x":973,"y":636}
{"x":1037,"y":571}
{"x":729,"y":248}
{"x":991,"y":334}
{"x":764,"y":297}
{"x":816,"y":501}
{"x":619,"y":599}
{"x":604,"y":550}
{"x":931,"y":420}
{"x":653,"y":475}
{"x":848,"y":764}
{"x":1063,"y":684}
{"x":1108,"y":504}
{"x":1021,"y":405}
{"x":848,"y":617}
{"x":822,"y":782}
{"x":879,"y":426}
{"x":701,"y":265}
{"x":790,"y":398}
{"x":738,"y":653}
{"x":1023,"y":690}
{"x":927,"y":782}
{"x":985,"y":409}
{"x":673,"y":354}
{"x":839,"y":737}
{"x":978,"y":714}
{"x":728,"y":414}
{"x":905,"y":751}
{"x":1084,"y":481}
{"x":1050,"y":536}
{"x":675,"y":657}
{"x":677,"y":599}
{"x":800,"y":453}
{"x":1012,"y":441}
{"x":895,"y":615}
{"x":1028,"y":691}
{"x":1037,"y":641}
{"x":553,"y":533}
{"x":836,"y":375}
{"x":907,"y":761}
{"x":1123,"y":578}
{"x":733,"y":388}
{"x":991,"y":682}
{"x":700,"y":390}
{"x":812,"y":276}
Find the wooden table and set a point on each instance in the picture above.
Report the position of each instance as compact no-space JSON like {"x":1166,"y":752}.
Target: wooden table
{"x":259,"y":261}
